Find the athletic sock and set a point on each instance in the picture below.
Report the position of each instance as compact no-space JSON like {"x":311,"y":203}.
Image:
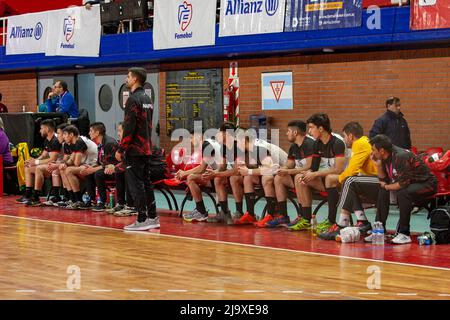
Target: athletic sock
{"x":282,"y":208}
{"x":306,"y":213}
{"x":271,"y":205}
{"x":224,"y":206}
{"x":360,"y":215}
{"x":78,"y":196}
{"x":239,"y":207}
{"x":200,"y":206}
{"x":344,"y":220}
{"x":72,"y":196}
{"x":333,"y":199}
{"x":28,"y":192}
{"x":250,"y":201}
{"x":36,"y":194}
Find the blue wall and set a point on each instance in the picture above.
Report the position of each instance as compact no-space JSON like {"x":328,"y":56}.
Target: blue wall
{"x":138,"y":46}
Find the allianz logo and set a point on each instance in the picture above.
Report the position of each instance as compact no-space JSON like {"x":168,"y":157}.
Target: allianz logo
{"x":21,"y":32}
{"x":235,"y":7}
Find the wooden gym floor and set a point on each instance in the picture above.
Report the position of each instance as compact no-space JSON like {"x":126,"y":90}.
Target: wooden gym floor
{"x":49,"y":253}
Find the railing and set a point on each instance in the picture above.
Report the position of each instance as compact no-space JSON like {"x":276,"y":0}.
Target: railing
{"x":3,"y":30}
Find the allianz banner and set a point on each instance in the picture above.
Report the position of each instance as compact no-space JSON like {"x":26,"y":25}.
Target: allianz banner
{"x":430,"y":14}
{"x":75,"y":31}
{"x":27,"y":33}
{"x":302,"y":15}
{"x":184,"y":23}
{"x":242,"y":17}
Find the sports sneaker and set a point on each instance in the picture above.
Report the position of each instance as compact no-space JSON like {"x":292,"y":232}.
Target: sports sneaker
{"x":401,"y":238}
{"x":52,"y":201}
{"x":99,"y":207}
{"x":64,"y":204}
{"x":195,"y":216}
{"x":364,"y":226}
{"x":262,"y":223}
{"x":75,"y":206}
{"x":140,"y":226}
{"x":369,"y":238}
{"x":33,"y":203}
{"x":279,"y":221}
{"x":86,"y":206}
{"x":117,"y":208}
{"x":237,"y":215}
{"x":221,"y":217}
{"x":300,"y":225}
{"x":323,"y":226}
{"x":247,"y":218}
{"x":154,"y":223}
{"x":23,"y":199}
{"x":331,"y":233}
{"x":294,"y":222}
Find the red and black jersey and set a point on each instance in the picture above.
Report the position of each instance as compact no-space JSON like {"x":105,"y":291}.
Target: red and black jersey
{"x":52,"y":145}
{"x":325,"y":155}
{"x":406,"y":168}
{"x":299,"y":154}
{"x":137,"y":125}
{"x":107,"y":151}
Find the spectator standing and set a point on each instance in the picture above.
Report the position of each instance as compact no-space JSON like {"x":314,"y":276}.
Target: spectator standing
{"x":393,"y":124}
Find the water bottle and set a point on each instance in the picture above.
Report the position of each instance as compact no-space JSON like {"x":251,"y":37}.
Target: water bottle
{"x":111,"y":199}
{"x":375,"y":233}
{"x":313,"y":224}
{"x":86,"y":198}
{"x":380,"y":234}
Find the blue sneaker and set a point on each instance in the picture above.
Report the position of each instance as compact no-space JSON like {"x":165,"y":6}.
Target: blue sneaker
{"x":279,"y":221}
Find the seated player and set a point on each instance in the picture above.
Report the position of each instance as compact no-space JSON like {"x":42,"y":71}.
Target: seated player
{"x":261,"y":159}
{"x":36,"y":169}
{"x":328,"y":160}
{"x":226,"y":168}
{"x":195,"y":179}
{"x":124,"y":207}
{"x":405,"y":174}
{"x":84,"y":154}
{"x":359,"y":182}
{"x":96,"y":174}
{"x":299,"y":161}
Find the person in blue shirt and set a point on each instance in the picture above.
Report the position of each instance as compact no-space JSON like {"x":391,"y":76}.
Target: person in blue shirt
{"x":64,"y":101}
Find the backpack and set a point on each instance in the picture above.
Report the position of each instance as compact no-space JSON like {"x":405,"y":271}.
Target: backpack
{"x":440,"y":224}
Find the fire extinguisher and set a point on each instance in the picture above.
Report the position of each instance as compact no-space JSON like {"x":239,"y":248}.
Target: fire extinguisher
{"x":229,"y":104}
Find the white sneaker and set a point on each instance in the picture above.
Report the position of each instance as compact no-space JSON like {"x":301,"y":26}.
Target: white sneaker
{"x":369,"y":238}
{"x":140,"y":226}
{"x":401,"y":238}
{"x":154,"y":223}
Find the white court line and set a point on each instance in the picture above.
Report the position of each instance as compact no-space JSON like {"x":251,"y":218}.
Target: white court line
{"x":138,"y":290}
{"x":176,"y":290}
{"x":444,"y":295}
{"x":25,"y":291}
{"x":368,"y":293}
{"x":330,"y":292}
{"x":253,"y":291}
{"x":215,"y":291}
{"x":291,"y":291}
{"x":406,"y":294}
{"x":231,"y":243}
{"x":64,"y":290}
{"x":101,"y":290}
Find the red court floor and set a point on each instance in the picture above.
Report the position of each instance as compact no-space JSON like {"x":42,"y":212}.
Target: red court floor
{"x":172,"y":225}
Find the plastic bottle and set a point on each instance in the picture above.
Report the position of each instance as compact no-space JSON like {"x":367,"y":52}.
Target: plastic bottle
{"x":375,"y":233}
{"x":111,"y":199}
{"x":24,"y":109}
{"x":380,"y":234}
{"x":313,"y":224}
{"x":86,"y":198}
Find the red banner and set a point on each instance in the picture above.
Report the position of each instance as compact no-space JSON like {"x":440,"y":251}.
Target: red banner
{"x":430,"y":14}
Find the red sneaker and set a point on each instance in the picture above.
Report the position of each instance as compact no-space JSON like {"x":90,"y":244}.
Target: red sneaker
{"x":262,"y":223}
{"x":247,"y":218}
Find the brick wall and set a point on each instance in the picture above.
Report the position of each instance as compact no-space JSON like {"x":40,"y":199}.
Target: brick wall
{"x":19,"y":90}
{"x":349,"y":87}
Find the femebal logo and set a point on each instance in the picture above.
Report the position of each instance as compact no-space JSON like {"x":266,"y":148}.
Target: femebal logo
{"x":235,"y":7}
{"x":21,"y":32}
{"x":184,"y":19}
{"x":69,"y":31}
